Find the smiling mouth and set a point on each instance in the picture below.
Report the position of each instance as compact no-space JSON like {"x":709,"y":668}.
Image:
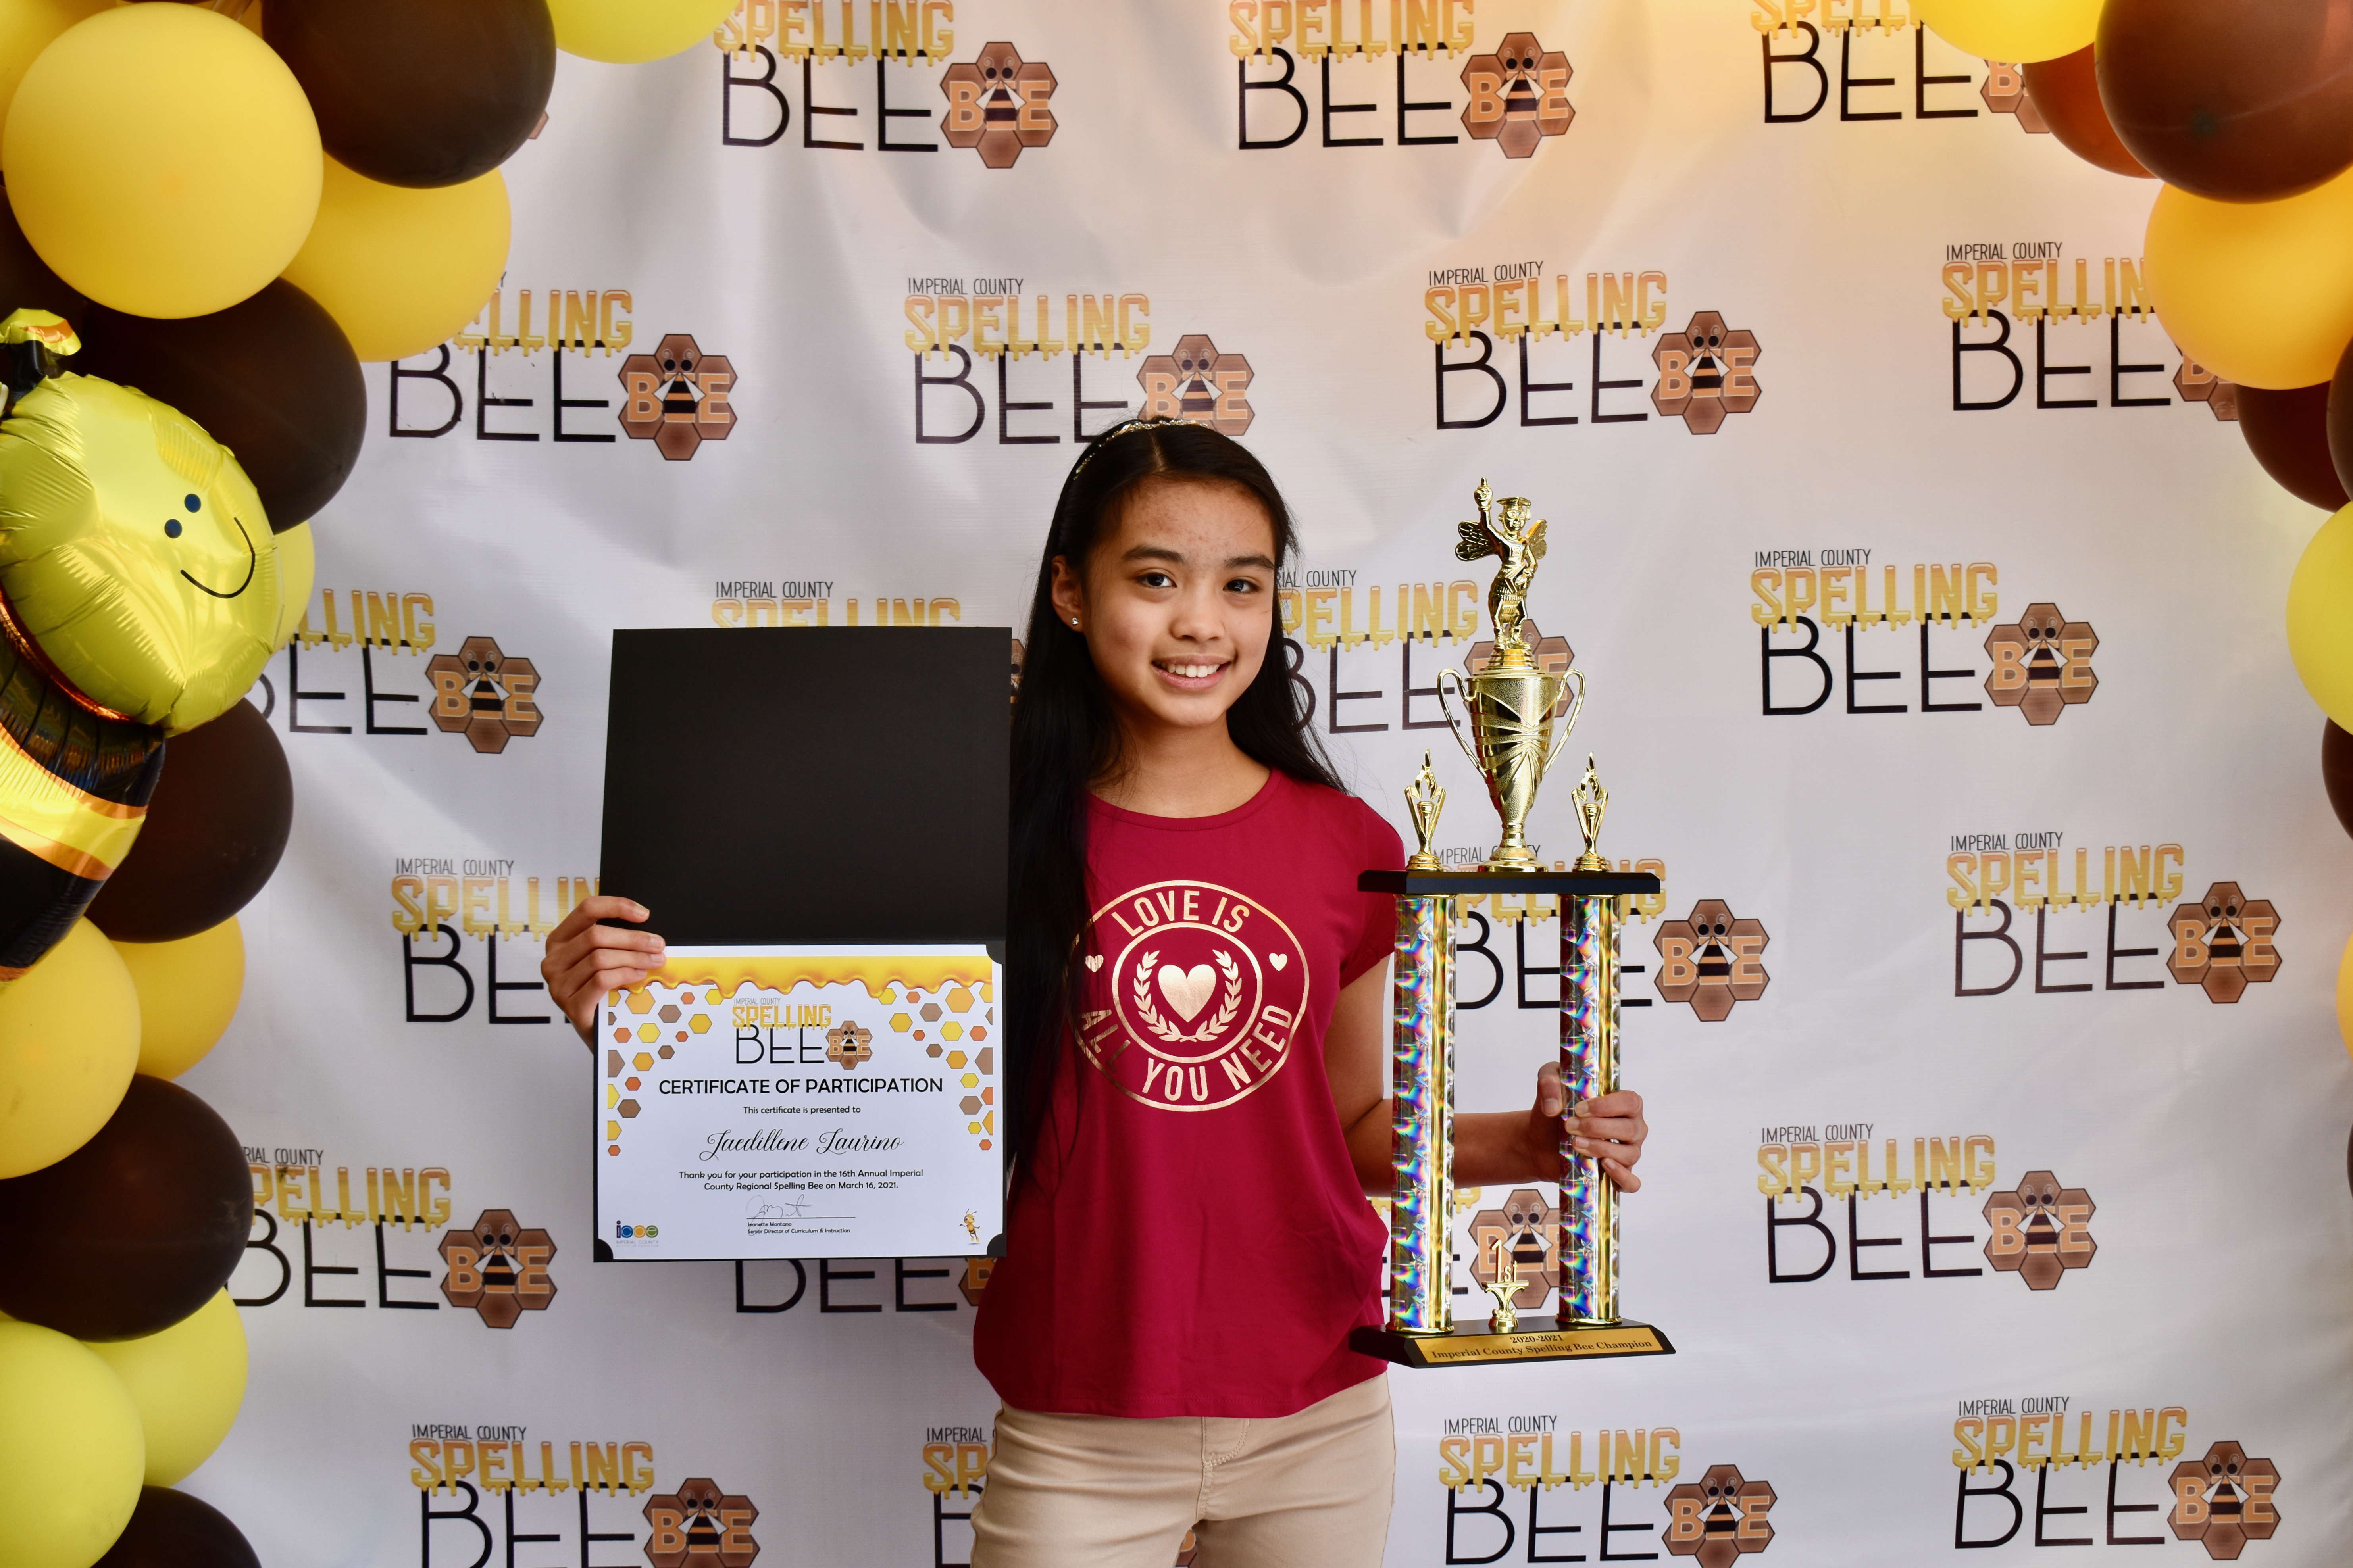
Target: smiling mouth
{"x":252,"y":559}
{"x":1188,"y":672}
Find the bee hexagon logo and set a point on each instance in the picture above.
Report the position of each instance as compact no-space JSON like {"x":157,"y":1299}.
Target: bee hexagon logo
{"x":2041,"y":665}
{"x":849,"y":1046}
{"x":483,"y":694}
{"x":2222,"y":943}
{"x":1720,"y":1517}
{"x":997,"y":103}
{"x":499,"y":1268}
{"x":1526,"y":1229}
{"x":2040,"y":1231}
{"x":699,"y":1526}
{"x":1706,"y":373}
{"x":679,"y":397}
{"x":1197,"y":382}
{"x":2225,"y":1501}
{"x":1519,"y":95}
{"x":1712,"y":960}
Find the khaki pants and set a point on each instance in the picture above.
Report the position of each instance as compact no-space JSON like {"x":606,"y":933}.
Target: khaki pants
{"x":1306,"y":1490}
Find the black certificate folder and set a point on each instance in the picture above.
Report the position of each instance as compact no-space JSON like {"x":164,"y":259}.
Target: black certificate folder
{"x":809,"y":784}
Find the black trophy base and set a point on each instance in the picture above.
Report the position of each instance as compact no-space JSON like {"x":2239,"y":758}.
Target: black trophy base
{"x":1577,"y":884}
{"x":1542,"y":1340}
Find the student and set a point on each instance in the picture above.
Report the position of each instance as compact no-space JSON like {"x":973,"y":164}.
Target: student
{"x":1187,"y":1241}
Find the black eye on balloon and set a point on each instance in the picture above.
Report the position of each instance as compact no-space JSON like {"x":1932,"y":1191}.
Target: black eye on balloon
{"x":171,"y":528}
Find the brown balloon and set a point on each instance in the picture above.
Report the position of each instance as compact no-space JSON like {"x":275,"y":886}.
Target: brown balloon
{"x":2249,"y":103}
{"x":135,"y":1229}
{"x":26,"y":281}
{"x":2340,"y":420}
{"x":272,"y":378}
{"x":173,"y":1529}
{"x":216,"y":827}
{"x":2288,"y":432}
{"x":427,"y":92}
{"x":2337,"y":772}
{"x":2066,"y":93}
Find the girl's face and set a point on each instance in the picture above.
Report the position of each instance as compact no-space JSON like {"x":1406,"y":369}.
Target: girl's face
{"x":1177,"y":602}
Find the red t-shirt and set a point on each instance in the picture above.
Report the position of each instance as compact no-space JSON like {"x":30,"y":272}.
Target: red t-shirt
{"x":1191,"y":1238}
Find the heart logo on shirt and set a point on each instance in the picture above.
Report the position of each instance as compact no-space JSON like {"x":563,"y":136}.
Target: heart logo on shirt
{"x":1279,"y":961}
{"x":1188,"y":990}
{"x":1094,"y":962}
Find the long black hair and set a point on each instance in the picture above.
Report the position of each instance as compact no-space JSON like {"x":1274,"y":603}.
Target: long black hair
{"x":1066,"y":737}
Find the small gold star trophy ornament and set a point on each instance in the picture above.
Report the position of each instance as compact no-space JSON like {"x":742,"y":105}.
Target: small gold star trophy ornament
{"x":1509,"y":704}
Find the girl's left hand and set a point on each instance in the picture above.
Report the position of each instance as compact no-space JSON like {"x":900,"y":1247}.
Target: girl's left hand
{"x":1610,"y":1126}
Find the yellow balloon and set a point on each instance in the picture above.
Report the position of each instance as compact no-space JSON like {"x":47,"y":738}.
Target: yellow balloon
{"x":188,"y":994}
{"x":403,"y":270}
{"x":2256,"y":291}
{"x":161,"y":160}
{"x":188,"y":1383}
{"x":298,"y":564}
{"x":2320,"y":617}
{"x":2345,"y":997}
{"x":626,"y":32}
{"x":71,"y":1454}
{"x":27,"y":26}
{"x":2015,"y":31}
{"x":134,"y":551}
{"x":68,"y":1044}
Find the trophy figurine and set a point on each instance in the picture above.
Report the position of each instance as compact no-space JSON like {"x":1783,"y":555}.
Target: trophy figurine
{"x":1503,"y":1287}
{"x":1509,"y":703}
{"x":1508,"y":699}
{"x":1590,"y":800}
{"x":1424,"y":799}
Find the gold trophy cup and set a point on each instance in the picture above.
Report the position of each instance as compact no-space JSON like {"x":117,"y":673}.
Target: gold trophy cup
{"x":1509,"y":699}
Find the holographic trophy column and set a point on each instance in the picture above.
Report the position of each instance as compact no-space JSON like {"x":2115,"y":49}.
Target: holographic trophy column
{"x":1421,"y":1078}
{"x":1589,"y":1070}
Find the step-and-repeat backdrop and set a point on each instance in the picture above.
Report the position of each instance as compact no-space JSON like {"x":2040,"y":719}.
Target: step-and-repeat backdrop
{"x":1932,"y":610}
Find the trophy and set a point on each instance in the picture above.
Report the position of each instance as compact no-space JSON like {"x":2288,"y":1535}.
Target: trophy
{"x":1509,"y":699}
{"x":1509,"y":703}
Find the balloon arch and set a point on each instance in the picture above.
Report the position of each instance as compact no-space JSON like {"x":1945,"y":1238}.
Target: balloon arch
{"x":215,"y":213}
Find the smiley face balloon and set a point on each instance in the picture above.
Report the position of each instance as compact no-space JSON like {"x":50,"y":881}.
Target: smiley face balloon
{"x":134,"y":556}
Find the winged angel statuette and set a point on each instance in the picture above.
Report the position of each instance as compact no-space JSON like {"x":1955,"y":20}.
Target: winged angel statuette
{"x":1503,"y":530}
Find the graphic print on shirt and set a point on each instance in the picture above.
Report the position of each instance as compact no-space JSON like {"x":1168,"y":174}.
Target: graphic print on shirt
{"x":1194,"y":993}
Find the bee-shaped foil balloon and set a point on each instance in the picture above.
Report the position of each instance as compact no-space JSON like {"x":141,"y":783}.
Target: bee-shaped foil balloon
{"x":139,"y":596}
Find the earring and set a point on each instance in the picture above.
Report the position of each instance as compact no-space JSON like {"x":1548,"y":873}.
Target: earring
{"x":1075,"y":620}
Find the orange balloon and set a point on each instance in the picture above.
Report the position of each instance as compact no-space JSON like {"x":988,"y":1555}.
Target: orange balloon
{"x":2345,"y":997}
{"x":2256,"y":291}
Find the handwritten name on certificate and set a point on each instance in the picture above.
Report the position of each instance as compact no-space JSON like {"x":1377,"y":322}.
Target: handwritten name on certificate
{"x":801,"y":1103}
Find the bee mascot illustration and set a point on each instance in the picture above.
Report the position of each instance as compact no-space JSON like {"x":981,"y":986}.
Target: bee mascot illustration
{"x":140,"y":593}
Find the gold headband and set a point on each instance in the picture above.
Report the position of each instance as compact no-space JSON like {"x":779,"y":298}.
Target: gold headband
{"x":1124,"y":428}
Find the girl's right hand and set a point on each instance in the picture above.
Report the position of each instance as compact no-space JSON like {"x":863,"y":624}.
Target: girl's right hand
{"x":585,"y":960}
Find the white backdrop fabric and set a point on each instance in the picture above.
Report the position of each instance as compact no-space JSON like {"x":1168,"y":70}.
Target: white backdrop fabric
{"x":2178,"y":1088}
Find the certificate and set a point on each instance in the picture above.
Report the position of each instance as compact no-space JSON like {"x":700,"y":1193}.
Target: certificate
{"x":802,"y":1101}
